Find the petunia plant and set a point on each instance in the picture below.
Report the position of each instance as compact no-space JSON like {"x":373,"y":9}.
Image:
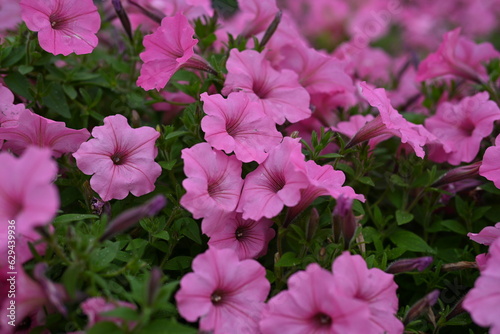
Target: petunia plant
{"x":253,"y":167}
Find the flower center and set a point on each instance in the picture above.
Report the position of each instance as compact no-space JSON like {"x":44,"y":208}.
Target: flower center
{"x":467,"y":127}
{"x":118,"y":158}
{"x":260,"y":89}
{"x":216,"y":297}
{"x":240,"y":232}
{"x":56,"y":21}
{"x":323,"y":320}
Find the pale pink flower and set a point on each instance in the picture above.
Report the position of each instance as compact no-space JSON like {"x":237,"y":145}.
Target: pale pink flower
{"x":461,"y":127}
{"x":168,"y":49}
{"x":213,"y":183}
{"x":225,"y":293}
{"x":490,"y":167}
{"x":375,"y":287}
{"x":248,"y":238}
{"x":281,"y":95}
{"x":457,"y":56}
{"x":64,"y":26}
{"x":121,"y":159}
{"x":487,"y":235}
{"x":483,"y":301}
{"x":390,"y":121}
{"x":238,"y":125}
{"x":275,"y":183}
{"x":94,"y":307}
{"x":34,"y":130}
{"x":318,"y":73}
{"x":314,"y":305}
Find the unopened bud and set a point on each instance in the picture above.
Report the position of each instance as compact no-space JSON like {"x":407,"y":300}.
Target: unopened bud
{"x":405,"y":265}
{"x":122,"y":15}
{"x":344,"y":222}
{"x":154,"y":285}
{"x":459,"y":266}
{"x":271,"y":29}
{"x":459,"y":174}
{"x":100,"y":207}
{"x":136,"y":119}
{"x":421,"y":306}
{"x":312,"y":225}
{"x":132,"y":216}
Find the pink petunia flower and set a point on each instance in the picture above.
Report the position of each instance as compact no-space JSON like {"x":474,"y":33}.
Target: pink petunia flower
{"x":280,"y":94}
{"x":483,"y":301}
{"x":314,"y":305}
{"x":457,"y":56}
{"x":93,"y":307}
{"x":461,"y":127}
{"x":237,"y":125}
{"x":377,"y":288}
{"x":490,"y":167}
{"x":34,"y":130}
{"x":168,"y":49}
{"x":121,"y":159}
{"x":248,"y":238}
{"x":390,"y":122}
{"x":9,"y":112}
{"x":64,"y":26}
{"x":275,"y":183}
{"x":225,"y":293}
{"x":213,"y":183}
{"x":487,"y":235}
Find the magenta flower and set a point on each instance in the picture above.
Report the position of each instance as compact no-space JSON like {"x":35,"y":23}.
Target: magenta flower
{"x":314,"y":305}
{"x":225,"y":293}
{"x":490,"y":167}
{"x":93,"y":307}
{"x":121,"y":159}
{"x":213,"y":183}
{"x":248,"y":238}
{"x":354,"y":279}
{"x":275,"y":183}
{"x":461,"y":127}
{"x":64,"y":26}
{"x":27,"y":194}
{"x":9,"y":112}
{"x":168,"y":49}
{"x":457,"y":56}
{"x":487,"y":235}
{"x":281,"y":95}
{"x":34,"y":130}
{"x":483,"y":301}
{"x":390,"y":122}
{"x":237,"y":125}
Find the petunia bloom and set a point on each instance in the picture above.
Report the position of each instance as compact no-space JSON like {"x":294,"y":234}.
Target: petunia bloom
{"x":461,"y":127}
{"x":279,"y":93}
{"x":213,"y":183}
{"x":9,"y":112}
{"x":487,"y":235}
{"x":457,"y":56}
{"x":483,"y":301}
{"x":248,"y":238}
{"x":31,"y":129}
{"x":64,"y":26}
{"x":378,"y":289}
{"x":275,"y":183}
{"x":490,"y":167}
{"x":239,"y":125}
{"x":93,"y":307}
{"x":121,"y":159}
{"x":312,"y":305}
{"x":168,"y":49}
{"x":225,"y":293}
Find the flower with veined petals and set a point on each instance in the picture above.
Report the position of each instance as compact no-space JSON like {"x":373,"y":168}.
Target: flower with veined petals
{"x":461,"y":127}
{"x":248,"y":238}
{"x":121,"y":159}
{"x":225,"y":293}
{"x":483,"y":301}
{"x":490,"y":167}
{"x":375,"y":287}
{"x":275,"y":183}
{"x":279,"y":93}
{"x":9,"y":112}
{"x":64,"y":26}
{"x":239,"y":125}
{"x":213,"y":183}
{"x":168,"y":49}
{"x":314,"y":305}
{"x":457,"y":56}
{"x":34,"y":130}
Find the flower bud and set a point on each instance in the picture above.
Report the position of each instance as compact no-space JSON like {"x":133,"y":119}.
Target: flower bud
{"x":421,"y":306}
{"x":271,"y":29}
{"x":405,"y":265}
{"x":154,"y":285}
{"x":459,"y":174}
{"x":344,"y":222}
{"x":122,"y":15}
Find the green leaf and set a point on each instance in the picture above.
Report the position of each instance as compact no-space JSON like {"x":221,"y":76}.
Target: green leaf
{"x":125,"y":313}
{"x":289,"y":259}
{"x":19,"y":84}
{"x":72,"y":217}
{"x":190,"y":229}
{"x":403,"y":217}
{"x":168,"y":165}
{"x":105,"y":327}
{"x":25,"y":69}
{"x":164,"y":326}
{"x":71,"y":277}
{"x":454,"y":226}
{"x":462,"y":207}
{"x":178,"y":263}
{"x":410,"y":241}
{"x":13,"y":55}
{"x":56,"y":100}
{"x":366,"y":180}
{"x":70,"y":91}
{"x":162,"y":235}
{"x":102,"y":257}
